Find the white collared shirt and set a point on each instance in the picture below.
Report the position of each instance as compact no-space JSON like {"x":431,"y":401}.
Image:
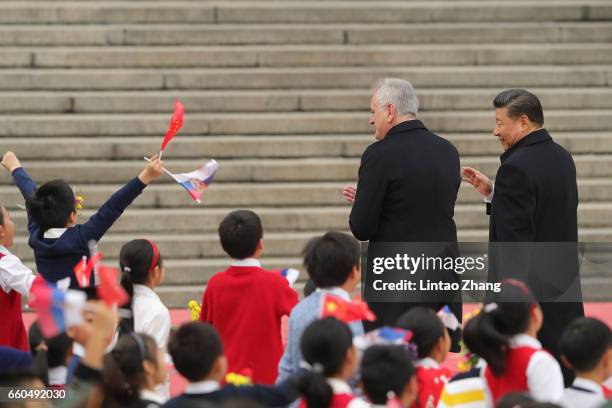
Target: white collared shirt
{"x":544,"y":377}
{"x":583,"y":393}
{"x":54,"y":233}
{"x":148,"y":395}
{"x":152,"y":317}
{"x":57,"y":375}
{"x":202,"y":387}
{"x":14,"y":275}
{"x":246,"y":262}
{"x":427,"y":362}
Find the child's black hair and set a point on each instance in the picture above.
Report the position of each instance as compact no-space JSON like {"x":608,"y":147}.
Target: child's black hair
{"x":137,"y":259}
{"x":488,"y":333}
{"x":584,"y":342}
{"x":427,"y":328}
{"x":240,"y":233}
{"x":123,"y":375}
{"x":58,"y":348}
{"x":194,"y":348}
{"x":385,"y":369}
{"x":330,"y":259}
{"x":35,"y":337}
{"x":51,"y":204}
{"x":324,"y":345}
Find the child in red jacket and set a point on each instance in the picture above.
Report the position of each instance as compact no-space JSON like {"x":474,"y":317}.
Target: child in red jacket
{"x":245,"y":303}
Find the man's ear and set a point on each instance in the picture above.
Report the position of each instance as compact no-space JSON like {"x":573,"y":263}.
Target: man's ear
{"x":392,"y":113}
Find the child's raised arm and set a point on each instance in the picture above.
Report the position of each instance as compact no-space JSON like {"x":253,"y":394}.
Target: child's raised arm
{"x":112,"y":209}
{"x":24,"y":182}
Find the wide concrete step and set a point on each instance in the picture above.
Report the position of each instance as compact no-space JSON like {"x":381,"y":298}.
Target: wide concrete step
{"x":286,"y":219}
{"x":307,"y":56}
{"x":264,"y":147}
{"x":36,"y":12}
{"x":270,"y":170}
{"x":54,"y":125}
{"x":189,"y":246}
{"x":242,"y":34}
{"x":303,"y":78}
{"x":240,"y":195}
{"x":594,"y":289}
{"x":281,"y":100}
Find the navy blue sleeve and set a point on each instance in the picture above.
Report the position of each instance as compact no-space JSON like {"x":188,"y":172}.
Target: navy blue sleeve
{"x":277,"y":396}
{"x":27,"y":187}
{"x":112,"y":209}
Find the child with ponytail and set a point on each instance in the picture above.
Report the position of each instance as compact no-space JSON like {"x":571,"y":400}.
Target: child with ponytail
{"x":131,"y":372}
{"x":504,"y":335}
{"x":143,"y":270}
{"x":327,"y":348}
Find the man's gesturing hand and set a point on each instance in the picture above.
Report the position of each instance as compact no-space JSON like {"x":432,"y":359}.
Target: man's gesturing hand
{"x":481,"y":183}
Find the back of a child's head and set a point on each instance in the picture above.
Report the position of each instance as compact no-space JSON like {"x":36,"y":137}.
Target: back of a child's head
{"x":488,"y":333}
{"x":51,"y":204}
{"x":137,"y":260}
{"x":426,"y":327}
{"x":385,"y":369}
{"x":123,"y":375}
{"x":194,"y":348}
{"x":330,"y":259}
{"x":58,"y":349}
{"x":35,"y":337}
{"x":240,"y":233}
{"x":324,"y":345}
{"x":584,"y":343}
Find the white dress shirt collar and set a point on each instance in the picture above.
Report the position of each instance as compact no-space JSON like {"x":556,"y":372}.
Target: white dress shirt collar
{"x":524,"y":340}
{"x":145,"y":291}
{"x":339,"y":386}
{"x":148,"y":395}
{"x":427,"y":362}
{"x":57,"y":375}
{"x":4,"y":250}
{"x":202,"y":387}
{"x":589,"y":385}
{"x":246,"y":262}
{"x":54,"y":233}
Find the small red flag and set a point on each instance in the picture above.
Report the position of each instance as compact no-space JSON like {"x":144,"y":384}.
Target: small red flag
{"x":110,"y":291}
{"x":176,"y":123}
{"x":346,"y":311}
{"x":83,"y":269}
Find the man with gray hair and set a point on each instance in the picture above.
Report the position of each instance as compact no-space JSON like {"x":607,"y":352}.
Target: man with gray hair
{"x":408,"y":182}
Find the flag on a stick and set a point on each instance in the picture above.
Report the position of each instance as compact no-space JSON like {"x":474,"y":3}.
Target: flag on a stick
{"x":176,"y":123}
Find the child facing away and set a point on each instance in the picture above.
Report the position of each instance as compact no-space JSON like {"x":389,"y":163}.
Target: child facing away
{"x":197,"y":352}
{"x":59,"y":243}
{"x":132,"y":371}
{"x":387,"y":372}
{"x":504,"y":335}
{"x":331,"y":359}
{"x":143,"y":270}
{"x":333,"y":264}
{"x":433,"y":343}
{"x":586,"y":347}
{"x":246,"y":303}
{"x":15,"y":281}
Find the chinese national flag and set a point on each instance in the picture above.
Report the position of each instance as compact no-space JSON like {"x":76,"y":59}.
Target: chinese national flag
{"x":110,"y":291}
{"x":176,"y":123}
{"x":333,"y":306}
{"x":83,"y":269}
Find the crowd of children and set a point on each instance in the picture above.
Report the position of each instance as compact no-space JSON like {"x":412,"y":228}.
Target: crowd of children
{"x":108,"y":361}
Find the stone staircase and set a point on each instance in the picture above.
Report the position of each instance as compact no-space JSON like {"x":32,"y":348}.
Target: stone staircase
{"x":278,"y":93}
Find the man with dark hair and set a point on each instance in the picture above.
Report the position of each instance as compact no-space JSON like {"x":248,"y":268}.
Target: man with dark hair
{"x":586,"y":347}
{"x":197,"y":354}
{"x":535,"y":199}
{"x":246,"y":303}
{"x":332,"y":262}
{"x":387,"y":369}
